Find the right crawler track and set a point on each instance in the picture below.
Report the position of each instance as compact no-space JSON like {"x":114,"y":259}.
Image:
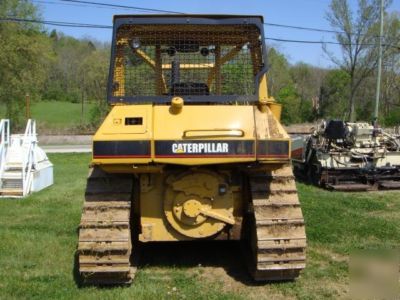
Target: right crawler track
{"x":278,"y":238}
{"x":105,"y":233}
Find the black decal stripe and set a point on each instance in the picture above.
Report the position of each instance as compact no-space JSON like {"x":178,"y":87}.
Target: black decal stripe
{"x":121,"y":149}
{"x":271,"y":149}
{"x":236,"y":148}
{"x":204,"y":156}
{"x":122,"y":156}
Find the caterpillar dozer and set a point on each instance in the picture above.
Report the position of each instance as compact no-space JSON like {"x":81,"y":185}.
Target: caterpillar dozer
{"x":347,"y":156}
{"x":192,"y":149}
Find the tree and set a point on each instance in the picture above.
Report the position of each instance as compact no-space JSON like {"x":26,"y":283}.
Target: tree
{"x":357,"y":37}
{"x":79,"y":68}
{"x":295,"y":87}
{"x":333,"y":94}
{"x":290,"y":101}
{"x":278,"y":71}
{"x":307,"y":81}
{"x":390,"y":93}
{"x":23,"y":57}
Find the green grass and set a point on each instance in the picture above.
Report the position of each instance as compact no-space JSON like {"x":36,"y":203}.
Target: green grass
{"x":38,"y":237}
{"x":58,"y":116}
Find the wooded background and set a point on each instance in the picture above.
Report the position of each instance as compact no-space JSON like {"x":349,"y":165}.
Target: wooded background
{"x":51,"y":66}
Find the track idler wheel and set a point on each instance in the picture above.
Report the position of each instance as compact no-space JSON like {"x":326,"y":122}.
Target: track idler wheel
{"x":198,"y":204}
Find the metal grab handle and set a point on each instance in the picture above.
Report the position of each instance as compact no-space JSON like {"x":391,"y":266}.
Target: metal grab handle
{"x":195,"y":133}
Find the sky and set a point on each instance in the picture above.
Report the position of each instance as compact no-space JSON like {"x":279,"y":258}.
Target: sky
{"x":305,"y":13}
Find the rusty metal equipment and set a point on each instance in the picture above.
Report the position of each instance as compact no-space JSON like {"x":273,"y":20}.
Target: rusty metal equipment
{"x":348,"y":156}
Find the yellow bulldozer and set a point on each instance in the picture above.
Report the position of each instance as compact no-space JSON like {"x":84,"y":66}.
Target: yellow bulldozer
{"x":192,"y":149}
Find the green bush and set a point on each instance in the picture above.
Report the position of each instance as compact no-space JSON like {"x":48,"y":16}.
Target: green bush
{"x":290,"y":101}
{"x":392,"y":118}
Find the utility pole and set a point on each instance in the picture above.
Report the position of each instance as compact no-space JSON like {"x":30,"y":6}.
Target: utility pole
{"x":83,"y":97}
{"x":378,"y":80}
{"x":28,"y":106}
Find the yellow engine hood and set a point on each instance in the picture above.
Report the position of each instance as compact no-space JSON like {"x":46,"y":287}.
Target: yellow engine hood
{"x":198,"y":134}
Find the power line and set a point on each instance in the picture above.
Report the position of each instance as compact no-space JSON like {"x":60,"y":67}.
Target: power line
{"x":109,"y":5}
{"x":301,"y":41}
{"x":314,"y":42}
{"x":96,"y":26}
{"x":303,"y":28}
{"x":123,"y":6}
{"x":328,"y":43}
{"x":72,"y":4}
{"x":81,"y":5}
{"x":315,"y":29}
{"x":114,"y":6}
{"x":145,"y":9}
{"x":55,"y":23}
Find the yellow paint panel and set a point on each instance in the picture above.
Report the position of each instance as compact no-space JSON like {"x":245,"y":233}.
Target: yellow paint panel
{"x":114,"y":127}
{"x":216,"y":123}
{"x":209,"y":118}
{"x":195,"y":122}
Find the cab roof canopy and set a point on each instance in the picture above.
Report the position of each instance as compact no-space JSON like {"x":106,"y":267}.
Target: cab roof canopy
{"x":189,"y":18}
{"x":230,"y":29}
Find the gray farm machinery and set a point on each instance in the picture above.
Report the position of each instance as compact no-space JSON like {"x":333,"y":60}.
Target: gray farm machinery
{"x":347,"y":156}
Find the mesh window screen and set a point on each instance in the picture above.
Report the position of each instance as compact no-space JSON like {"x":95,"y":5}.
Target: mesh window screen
{"x":198,"y":60}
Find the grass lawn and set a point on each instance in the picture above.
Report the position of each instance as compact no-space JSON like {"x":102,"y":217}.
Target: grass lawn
{"x":38,"y":237}
{"x":60,"y":115}
{"x":57,"y":116}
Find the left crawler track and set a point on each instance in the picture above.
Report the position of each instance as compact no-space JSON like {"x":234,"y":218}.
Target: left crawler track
{"x":105,"y":247}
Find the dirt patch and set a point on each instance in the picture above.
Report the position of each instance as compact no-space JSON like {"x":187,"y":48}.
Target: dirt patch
{"x":330,"y":254}
{"x":249,"y":290}
{"x":327,"y":289}
{"x":387,"y":215}
{"x":211,"y":261}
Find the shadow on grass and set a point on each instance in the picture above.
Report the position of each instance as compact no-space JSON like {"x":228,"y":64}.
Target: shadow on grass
{"x":228,"y":255}
{"x":75,"y":271}
{"x":189,"y":254}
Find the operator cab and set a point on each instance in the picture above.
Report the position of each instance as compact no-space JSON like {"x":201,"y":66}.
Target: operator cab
{"x":203,"y":59}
